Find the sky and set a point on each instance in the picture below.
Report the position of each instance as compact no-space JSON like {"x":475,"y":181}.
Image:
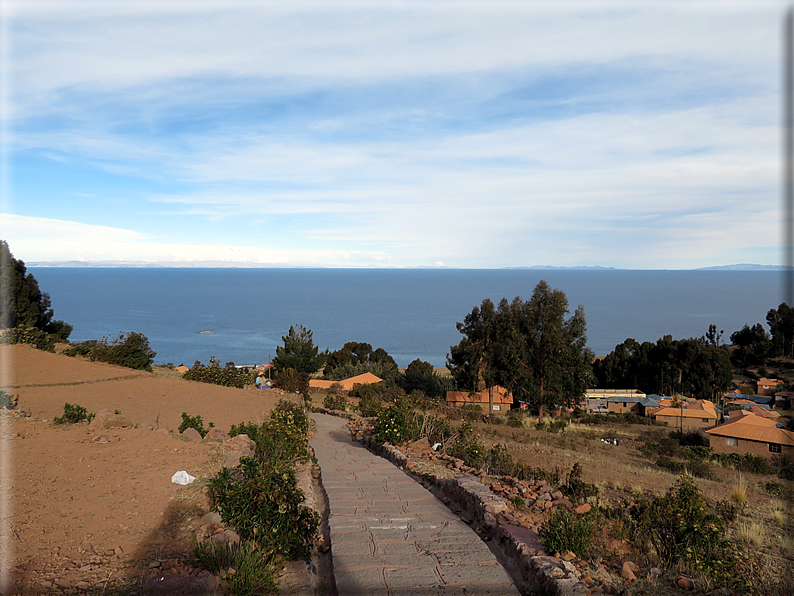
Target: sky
{"x":474,"y":134}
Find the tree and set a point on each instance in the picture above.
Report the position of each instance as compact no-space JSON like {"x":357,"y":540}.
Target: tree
{"x":529,"y":347}
{"x":781,"y":323}
{"x":22,"y":303}
{"x":299,"y":352}
{"x":544,"y":356}
{"x":473,"y":362}
{"x":355,"y":358}
{"x":753,"y":346}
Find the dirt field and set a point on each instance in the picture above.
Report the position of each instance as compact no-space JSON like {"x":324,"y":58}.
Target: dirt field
{"x":87,"y":504}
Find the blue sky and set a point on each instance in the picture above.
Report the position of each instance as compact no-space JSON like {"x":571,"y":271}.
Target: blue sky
{"x":631,"y":134}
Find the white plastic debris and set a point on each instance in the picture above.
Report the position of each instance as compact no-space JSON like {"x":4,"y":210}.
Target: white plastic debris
{"x":436,"y":446}
{"x":182,"y":477}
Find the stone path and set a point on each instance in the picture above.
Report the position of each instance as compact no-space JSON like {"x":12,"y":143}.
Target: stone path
{"x":389,"y":535}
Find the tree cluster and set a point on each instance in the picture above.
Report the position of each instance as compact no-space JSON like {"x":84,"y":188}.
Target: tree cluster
{"x":131,"y":350}
{"x":355,"y":358}
{"x":228,"y":376}
{"x":527,"y":346}
{"x":24,"y":308}
{"x":694,"y":367}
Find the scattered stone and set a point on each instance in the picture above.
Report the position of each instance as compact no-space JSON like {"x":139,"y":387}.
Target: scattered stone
{"x":191,"y":434}
{"x":584,"y":508}
{"x":118,"y":551}
{"x":145,"y":426}
{"x":626,"y":572}
{"x":216,"y":434}
{"x":684,"y":583}
{"x":227,"y":536}
{"x":117,"y":421}
{"x":101,"y":439}
{"x":213,"y":517}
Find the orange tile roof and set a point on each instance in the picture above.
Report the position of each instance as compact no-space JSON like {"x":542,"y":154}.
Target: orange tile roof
{"x":754,"y":428}
{"x":687,"y":413}
{"x":500,"y":396}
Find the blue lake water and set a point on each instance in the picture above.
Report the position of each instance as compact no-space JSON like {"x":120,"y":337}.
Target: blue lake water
{"x":410,"y":313}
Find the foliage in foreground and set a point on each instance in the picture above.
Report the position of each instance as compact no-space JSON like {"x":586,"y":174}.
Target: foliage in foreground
{"x":682,"y":528}
{"x":565,"y":530}
{"x":72,"y":414}
{"x":261,"y":499}
{"x":131,"y":350}
{"x":228,"y":376}
{"x":255,"y":568}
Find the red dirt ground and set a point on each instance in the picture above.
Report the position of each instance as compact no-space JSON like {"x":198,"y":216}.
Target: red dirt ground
{"x":86,"y":504}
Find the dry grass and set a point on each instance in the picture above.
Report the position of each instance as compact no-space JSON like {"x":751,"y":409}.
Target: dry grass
{"x":786,"y":546}
{"x":751,"y":533}
{"x":778,"y":516}
{"x":739,"y":491}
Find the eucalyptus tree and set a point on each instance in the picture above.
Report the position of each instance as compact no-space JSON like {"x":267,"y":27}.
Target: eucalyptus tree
{"x":529,"y":347}
{"x":474,"y":361}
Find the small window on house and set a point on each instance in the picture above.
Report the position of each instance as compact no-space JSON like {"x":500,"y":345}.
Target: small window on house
{"x":774,"y":448}
{"x":732,"y":442}
{"x":704,"y":419}
{"x":497,"y":408}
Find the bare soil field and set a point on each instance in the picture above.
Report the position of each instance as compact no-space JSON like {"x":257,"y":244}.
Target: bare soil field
{"x":93,"y":505}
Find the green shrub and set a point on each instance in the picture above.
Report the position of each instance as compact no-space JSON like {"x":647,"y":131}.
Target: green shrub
{"x":680,"y":527}
{"x":335,"y":402}
{"x":264,"y":504}
{"x":73,"y":414}
{"x":370,"y":406}
{"x":744,"y":462}
{"x":293,"y":381}
{"x":7,"y":400}
{"x":256,"y":569}
{"x":251,"y":429}
{"x":691,"y":438}
{"x":697,"y":453}
{"x":515,"y":421}
{"x":228,"y":376}
{"x":194,"y":422}
{"x":565,"y":530}
{"x":131,"y":350}
{"x":575,"y":488}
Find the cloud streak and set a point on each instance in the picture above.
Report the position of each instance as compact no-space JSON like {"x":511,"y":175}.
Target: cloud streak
{"x":480,"y":135}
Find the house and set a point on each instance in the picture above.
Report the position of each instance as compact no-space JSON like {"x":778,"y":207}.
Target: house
{"x":692,"y":416}
{"x":347,"y":384}
{"x":748,"y":433}
{"x":767,"y":386}
{"x":502,"y":399}
{"x":181,"y":369}
{"x":595,"y":400}
{"x":634,"y":404}
{"x":783,"y":399}
{"x":743,"y":398}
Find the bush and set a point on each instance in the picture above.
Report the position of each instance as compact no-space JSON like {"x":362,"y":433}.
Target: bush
{"x":7,"y":400}
{"x":566,"y":530}
{"x":194,"y":422}
{"x":228,"y":376}
{"x":131,"y":350}
{"x":680,"y":527}
{"x":73,"y":414}
{"x":744,"y":462}
{"x":253,"y":430}
{"x":256,"y":568}
{"x":261,"y":499}
{"x":693,"y":438}
{"x":293,"y":381}
{"x":335,"y":402}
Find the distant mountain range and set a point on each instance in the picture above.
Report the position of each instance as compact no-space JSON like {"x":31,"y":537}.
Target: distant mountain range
{"x":230,"y":264}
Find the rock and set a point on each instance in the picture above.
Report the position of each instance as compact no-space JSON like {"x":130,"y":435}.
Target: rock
{"x":603,"y":573}
{"x":145,"y":426}
{"x":226,"y":536}
{"x":118,"y":551}
{"x":216,"y":434}
{"x":421,"y":446}
{"x":684,"y":583}
{"x":243,"y":442}
{"x":654,"y":573}
{"x":191,"y":434}
{"x":556,"y":495}
{"x":584,"y":508}
{"x":233,"y":459}
{"x":627,"y":573}
{"x":164,"y":431}
{"x":82,"y":585}
{"x":587,"y":580}
{"x":99,"y":418}
{"x":567,"y":556}
{"x":181,"y":584}
{"x":101,"y":439}
{"x":117,"y":421}
{"x":213,"y":517}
